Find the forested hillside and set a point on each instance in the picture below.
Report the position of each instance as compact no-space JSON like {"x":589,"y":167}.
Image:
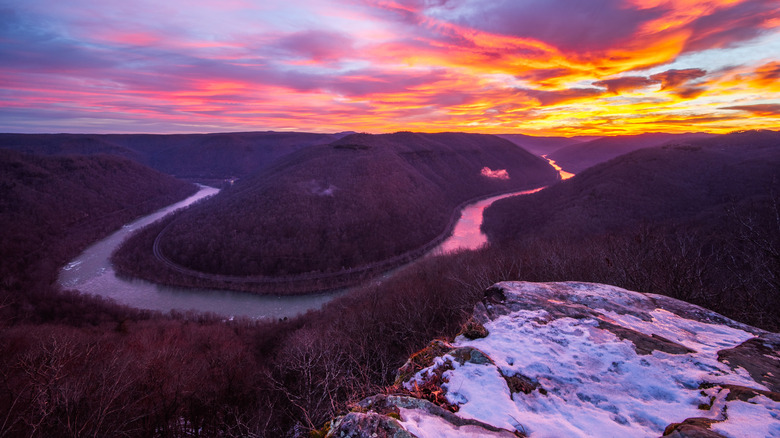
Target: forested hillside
{"x":699,"y":218}
{"x":192,"y":156}
{"x":53,"y":207}
{"x":329,"y":209}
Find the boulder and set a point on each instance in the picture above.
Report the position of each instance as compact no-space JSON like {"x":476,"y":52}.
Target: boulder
{"x":584,"y":359}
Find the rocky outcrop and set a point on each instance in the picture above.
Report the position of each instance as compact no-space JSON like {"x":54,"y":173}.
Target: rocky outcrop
{"x":582,"y":359}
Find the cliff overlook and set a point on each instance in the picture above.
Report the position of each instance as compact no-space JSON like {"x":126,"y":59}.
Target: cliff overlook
{"x":582,"y":359}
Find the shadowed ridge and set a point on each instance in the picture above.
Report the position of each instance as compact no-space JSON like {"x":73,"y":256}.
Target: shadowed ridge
{"x":578,"y":157}
{"x":358,"y":202}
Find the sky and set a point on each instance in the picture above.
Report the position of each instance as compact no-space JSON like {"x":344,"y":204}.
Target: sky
{"x":538,"y":67}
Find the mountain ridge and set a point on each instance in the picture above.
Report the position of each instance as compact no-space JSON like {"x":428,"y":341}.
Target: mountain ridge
{"x":215,"y":156}
{"x":332,"y":208}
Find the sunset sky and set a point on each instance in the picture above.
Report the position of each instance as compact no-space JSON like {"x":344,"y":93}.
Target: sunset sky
{"x":539,"y":67}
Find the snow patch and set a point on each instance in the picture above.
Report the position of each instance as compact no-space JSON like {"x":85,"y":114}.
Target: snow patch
{"x":592,"y":382}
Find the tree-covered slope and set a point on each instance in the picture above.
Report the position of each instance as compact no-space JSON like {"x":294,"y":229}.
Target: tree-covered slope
{"x":695,"y":182}
{"x":52,"y":207}
{"x":698,"y":221}
{"x":350,"y":204}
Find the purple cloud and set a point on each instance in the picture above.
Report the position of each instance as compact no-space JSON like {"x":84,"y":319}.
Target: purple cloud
{"x":675,"y":78}
{"x":570,"y":25}
{"x":731,"y":25}
{"x":547,"y":98}
{"x":27,"y":45}
{"x":760,"y":109}
{"x":627,"y":83}
{"x":318,"y":45}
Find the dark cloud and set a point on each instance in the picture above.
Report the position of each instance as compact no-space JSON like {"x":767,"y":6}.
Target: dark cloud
{"x":769,"y":72}
{"x":674,"y":78}
{"x":760,"y":109}
{"x":690,"y":92}
{"x":571,"y":25}
{"x":627,"y":83}
{"x":547,"y":98}
{"x":731,"y":25}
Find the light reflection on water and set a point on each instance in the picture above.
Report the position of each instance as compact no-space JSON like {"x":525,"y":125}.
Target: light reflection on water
{"x":467,"y":233}
{"x":564,"y":174}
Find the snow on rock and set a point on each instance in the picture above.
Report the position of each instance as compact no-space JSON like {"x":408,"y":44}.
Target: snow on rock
{"x":584,"y":360}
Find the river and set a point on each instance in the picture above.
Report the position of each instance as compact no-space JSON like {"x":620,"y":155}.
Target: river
{"x":564,"y":174}
{"x":92,"y":272}
{"x":467,"y":233}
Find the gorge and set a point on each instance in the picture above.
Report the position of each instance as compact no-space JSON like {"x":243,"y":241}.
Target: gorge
{"x":92,"y":272}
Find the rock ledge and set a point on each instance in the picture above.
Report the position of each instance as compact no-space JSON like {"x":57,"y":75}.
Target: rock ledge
{"x":583,"y":359}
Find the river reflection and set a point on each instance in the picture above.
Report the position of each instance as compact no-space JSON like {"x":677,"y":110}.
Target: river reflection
{"x":467,"y":233}
{"x":564,"y":174}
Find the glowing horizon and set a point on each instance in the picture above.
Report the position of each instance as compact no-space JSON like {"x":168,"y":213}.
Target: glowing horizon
{"x":538,"y":67}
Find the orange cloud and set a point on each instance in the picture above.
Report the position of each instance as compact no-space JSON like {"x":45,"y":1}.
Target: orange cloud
{"x":554,"y":67}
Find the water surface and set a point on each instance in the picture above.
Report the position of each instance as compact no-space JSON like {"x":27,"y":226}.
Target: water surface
{"x":467,"y":233}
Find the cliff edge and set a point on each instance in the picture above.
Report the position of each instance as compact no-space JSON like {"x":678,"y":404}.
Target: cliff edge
{"x":582,"y":359}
